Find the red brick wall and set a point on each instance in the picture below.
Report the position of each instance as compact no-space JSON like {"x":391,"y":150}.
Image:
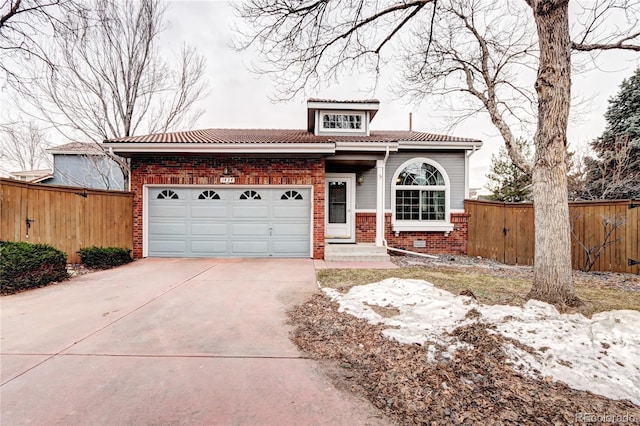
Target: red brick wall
{"x":207,"y":170}
{"x":436,"y":242}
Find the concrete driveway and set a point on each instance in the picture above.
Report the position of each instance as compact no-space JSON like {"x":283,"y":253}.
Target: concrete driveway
{"x":167,"y":341}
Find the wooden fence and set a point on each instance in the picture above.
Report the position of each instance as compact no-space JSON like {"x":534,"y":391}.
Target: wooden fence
{"x":505,"y":232}
{"x":67,"y":218}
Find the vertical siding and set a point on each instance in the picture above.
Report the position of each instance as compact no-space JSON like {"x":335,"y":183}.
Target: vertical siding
{"x":62,"y":218}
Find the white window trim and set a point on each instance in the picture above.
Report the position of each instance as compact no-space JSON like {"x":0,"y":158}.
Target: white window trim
{"x":361,"y":114}
{"x":426,"y":226}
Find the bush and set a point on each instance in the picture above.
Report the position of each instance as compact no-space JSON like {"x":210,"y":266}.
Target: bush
{"x":25,"y":265}
{"x":104,"y":257}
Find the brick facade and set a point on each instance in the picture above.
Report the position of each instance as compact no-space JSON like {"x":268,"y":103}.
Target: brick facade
{"x":207,"y":170}
{"x":436,"y":242}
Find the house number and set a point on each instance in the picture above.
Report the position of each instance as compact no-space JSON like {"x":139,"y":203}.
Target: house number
{"x":227,"y":179}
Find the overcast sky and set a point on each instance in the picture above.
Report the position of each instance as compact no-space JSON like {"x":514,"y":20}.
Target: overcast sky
{"x":241,"y":99}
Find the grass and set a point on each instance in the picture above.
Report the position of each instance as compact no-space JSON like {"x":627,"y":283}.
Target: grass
{"x":488,"y":289}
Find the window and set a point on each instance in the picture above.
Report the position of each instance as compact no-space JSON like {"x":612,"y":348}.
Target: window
{"x":167,"y":194}
{"x":421,"y":194}
{"x":348,"y":122}
{"x":291,"y":195}
{"x":208,"y":195}
{"x":250,"y":195}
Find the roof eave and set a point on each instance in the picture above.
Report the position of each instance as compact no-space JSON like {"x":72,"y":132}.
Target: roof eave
{"x":367,"y":146}
{"x":227,"y":148}
{"x":462,"y":145}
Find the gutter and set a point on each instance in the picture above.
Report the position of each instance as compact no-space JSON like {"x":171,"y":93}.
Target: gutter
{"x":239,"y":148}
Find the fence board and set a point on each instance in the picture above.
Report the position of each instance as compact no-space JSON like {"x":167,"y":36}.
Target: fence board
{"x":489,"y":220}
{"x":63,"y":218}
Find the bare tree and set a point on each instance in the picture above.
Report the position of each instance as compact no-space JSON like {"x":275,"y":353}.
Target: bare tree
{"x":23,"y":146}
{"x":23,"y":24}
{"x":110,"y":80}
{"x":608,"y":175}
{"x":592,"y":245}
{"x":473,"y":48}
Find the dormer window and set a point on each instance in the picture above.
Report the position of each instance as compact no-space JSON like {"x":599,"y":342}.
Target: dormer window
{"x":335,"y":117}
{"x":344,"y":122}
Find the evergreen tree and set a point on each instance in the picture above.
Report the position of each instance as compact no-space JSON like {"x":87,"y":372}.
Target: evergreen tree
{"x":615,"y":171}
{"x":507,"y":182}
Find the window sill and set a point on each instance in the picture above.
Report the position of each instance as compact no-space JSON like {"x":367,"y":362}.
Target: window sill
{"x":422,"y":227}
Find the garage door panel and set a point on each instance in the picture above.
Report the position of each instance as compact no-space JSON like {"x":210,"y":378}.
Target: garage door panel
{"x":250,"y":211}
{"x":250,"y":247}
{"x":214,"y":212}
{"x":177,"y":211}
{"x":219,"y":222}
{"x":168,"y":247}
{"x":290,"y":229}
{"x":289,"y":248}
{"x":202,"y":229}
{"x":286,"y":211}
{"x":167,"y":228}
{"x":243,"y":229}
{"x":206,"y":247}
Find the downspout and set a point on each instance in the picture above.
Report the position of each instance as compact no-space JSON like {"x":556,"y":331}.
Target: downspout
{"x":384,"y":204}
{"x":468,"y":155}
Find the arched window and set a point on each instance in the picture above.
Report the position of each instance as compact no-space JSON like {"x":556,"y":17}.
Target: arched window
{"x":291,"y":195}
{"x":250,"y":195}
{"x":208,"y":195}
{"x":421,"y":193}
{"x":167,"y":194}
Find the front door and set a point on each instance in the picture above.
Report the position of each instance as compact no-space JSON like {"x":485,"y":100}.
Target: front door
{"x":340,"y":207}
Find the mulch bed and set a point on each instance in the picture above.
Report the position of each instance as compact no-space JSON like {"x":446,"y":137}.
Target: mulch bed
{"x":473,"y":387}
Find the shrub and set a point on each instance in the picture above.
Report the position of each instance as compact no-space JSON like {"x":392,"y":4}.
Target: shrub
{"x":25,"y":265}
{"x":104,"y":257}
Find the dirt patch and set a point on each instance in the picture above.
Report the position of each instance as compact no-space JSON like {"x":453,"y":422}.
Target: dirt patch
{"x":384,"y":311}
{"x":418,"y":384}
{"x":78,"y":269}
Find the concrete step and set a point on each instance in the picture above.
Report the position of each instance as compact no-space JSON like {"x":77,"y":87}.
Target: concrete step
{"x":355,"y":253}
{"x":357,"y":258}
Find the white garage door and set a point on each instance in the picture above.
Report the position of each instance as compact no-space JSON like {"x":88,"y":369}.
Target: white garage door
{"x":226,"y":222}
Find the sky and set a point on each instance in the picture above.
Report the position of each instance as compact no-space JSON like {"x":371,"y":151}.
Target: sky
{"x":239,"y":98}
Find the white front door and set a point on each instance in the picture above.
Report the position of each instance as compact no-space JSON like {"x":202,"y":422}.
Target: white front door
{"x":340,"y":197}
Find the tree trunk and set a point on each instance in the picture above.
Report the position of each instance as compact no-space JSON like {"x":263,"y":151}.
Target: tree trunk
{"x":552,"y":281}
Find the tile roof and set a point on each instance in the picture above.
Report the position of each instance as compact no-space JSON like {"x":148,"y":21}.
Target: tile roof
{"x":268,"y":136}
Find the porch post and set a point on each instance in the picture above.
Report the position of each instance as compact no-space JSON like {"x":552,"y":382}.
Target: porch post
{"x":379,"y":203}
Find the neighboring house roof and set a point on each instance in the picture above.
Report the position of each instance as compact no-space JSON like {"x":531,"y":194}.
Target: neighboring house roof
{"x":75,"y":148}
{"x":268,"y":136}
{"x":33,"y":176}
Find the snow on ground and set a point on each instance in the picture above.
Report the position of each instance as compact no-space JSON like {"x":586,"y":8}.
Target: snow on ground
{"x":599,"y":354}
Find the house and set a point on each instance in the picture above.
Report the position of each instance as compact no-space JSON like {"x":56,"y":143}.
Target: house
{"x":32,"y":176}
{"x":85,"y":165}
{"x":291,"y":193}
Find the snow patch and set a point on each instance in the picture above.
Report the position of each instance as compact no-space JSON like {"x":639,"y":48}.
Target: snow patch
{"x":599,"y":354}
